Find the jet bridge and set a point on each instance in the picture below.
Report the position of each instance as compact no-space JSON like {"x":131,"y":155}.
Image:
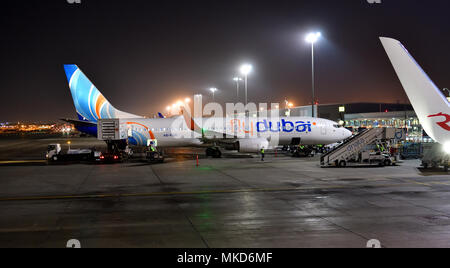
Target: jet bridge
{"x":352,"y":147}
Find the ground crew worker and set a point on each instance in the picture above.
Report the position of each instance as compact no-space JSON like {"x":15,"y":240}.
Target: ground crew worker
{"x":319,"y":148}
{"x":262,"y":154}
{"x":381,"y":148}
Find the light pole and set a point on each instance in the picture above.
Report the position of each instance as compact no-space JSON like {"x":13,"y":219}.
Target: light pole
{"x":312,"y":38}
{"x":213,"y":90}
{"x":245,"y":70}
{"x":237,"y":80}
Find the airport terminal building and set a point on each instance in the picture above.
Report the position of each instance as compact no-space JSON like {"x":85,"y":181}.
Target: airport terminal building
{"x":367,"y":115}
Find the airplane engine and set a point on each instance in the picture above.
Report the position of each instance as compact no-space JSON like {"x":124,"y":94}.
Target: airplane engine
{"x":252,"y":145}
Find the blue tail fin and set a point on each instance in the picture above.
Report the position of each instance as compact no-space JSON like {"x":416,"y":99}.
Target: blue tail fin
{"x":90,"y":104}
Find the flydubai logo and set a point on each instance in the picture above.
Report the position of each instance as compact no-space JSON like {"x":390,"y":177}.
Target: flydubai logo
{"x":269,"y":126}
{"x":284,"y":126}
{"x":443,"y":124}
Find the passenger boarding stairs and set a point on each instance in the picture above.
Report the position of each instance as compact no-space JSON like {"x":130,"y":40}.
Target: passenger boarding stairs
{"x":353,"y":146}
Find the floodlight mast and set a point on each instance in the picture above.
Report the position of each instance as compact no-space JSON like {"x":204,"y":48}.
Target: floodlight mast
{"x":312,"y":38}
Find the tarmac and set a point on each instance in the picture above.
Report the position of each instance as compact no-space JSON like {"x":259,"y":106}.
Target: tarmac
{"x":222,"y":203}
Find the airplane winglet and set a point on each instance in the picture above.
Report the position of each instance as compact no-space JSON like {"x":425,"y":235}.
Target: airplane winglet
{"x":190,"y":122}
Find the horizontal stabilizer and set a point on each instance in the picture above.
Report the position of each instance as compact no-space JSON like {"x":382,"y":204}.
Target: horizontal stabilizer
{"x":79,"y":122}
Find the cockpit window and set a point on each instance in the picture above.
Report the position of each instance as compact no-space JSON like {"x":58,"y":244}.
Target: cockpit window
{"x":336,"y":126}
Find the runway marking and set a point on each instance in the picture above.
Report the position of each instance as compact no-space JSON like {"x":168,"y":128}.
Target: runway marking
{"x":441,"y":183}
{"x":22,"y":162}
{"x":251,"y":190}
{"x":416,"y":182}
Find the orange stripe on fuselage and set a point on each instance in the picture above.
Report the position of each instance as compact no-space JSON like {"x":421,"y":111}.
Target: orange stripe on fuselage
{"x":152,"y":136}
{"x":98,"y":105}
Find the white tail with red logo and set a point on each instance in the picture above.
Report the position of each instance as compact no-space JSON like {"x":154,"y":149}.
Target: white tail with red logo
{"x":430,"y":104}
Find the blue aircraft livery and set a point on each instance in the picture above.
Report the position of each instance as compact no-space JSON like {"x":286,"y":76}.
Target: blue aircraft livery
{"x":283,"y":126}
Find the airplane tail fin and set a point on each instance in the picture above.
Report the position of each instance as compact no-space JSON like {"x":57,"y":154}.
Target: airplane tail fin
{"x":431,"y":106}
{"x":89,"y":102}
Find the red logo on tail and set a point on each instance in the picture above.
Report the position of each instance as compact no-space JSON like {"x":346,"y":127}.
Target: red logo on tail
{"x":443,"y":124}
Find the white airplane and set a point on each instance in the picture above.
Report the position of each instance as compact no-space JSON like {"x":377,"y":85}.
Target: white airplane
{"x":431,"y":106}
{"x":256,"y":133}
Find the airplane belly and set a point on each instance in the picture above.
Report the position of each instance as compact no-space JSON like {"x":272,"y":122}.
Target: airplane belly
{"x":183,"y":142}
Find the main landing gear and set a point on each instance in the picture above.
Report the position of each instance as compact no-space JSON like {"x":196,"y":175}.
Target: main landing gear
{"x":214,"y":152}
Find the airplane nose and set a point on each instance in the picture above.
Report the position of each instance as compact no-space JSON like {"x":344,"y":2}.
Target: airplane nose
{"x":347,"y":133}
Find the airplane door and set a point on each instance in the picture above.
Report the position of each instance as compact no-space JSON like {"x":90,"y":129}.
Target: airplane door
{"x":323,"y":130}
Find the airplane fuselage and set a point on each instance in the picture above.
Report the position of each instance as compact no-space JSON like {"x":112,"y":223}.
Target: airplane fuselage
{"x":175,"y":132}
{"x":252,"y":133}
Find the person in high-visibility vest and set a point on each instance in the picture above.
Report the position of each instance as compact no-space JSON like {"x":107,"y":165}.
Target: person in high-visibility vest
{"x":320,"y":148}
{"x":262,"y":154}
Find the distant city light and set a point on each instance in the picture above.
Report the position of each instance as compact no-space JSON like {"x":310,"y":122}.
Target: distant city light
{"x":290,"y":105}
{"x":213,"y":89}
{"x":187,"y":100}
{"x":237,"y":79}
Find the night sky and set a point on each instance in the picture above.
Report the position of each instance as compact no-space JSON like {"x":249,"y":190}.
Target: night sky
{"x":144,"y":55}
